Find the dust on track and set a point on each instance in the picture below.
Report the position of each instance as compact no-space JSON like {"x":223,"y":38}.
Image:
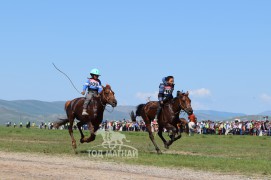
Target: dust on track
{"x":41,"y":166}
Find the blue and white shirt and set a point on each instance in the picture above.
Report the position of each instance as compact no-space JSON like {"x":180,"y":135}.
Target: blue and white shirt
{"x":93,"y":85}
{"x":165,"y":90}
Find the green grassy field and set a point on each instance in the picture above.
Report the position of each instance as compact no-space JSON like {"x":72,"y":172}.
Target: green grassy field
{"x":234,"y":154}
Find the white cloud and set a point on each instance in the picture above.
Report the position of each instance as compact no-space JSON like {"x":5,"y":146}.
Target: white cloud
{"x":265,"y":98}
{"x":202,"y":92}
{"x":144,"y":96}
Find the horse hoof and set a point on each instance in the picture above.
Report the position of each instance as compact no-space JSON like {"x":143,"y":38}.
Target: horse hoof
{"x":82,"y":140}
{"x":166,"y":145}
{"x":159,"y":151}
{"x":74,"y":146}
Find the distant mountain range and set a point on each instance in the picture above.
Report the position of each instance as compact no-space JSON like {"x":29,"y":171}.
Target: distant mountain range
{"x":40,"y":111}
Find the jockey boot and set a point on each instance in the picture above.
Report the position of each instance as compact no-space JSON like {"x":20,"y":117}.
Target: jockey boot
{"x":84,"y":113}
{"x":157,"y":113}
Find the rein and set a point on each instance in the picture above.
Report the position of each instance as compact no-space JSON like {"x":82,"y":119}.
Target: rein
{"x":179,"y":107}
{"x":182,"y":111}
{"x":182,"y":108}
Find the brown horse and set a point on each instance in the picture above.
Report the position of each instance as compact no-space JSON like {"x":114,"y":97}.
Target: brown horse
{"x":168,"y":118}
{"x":95,"y":110}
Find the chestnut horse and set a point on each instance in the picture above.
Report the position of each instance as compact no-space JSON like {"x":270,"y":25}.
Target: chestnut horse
{"x":168,"y":118}
{"x":95,"y":110}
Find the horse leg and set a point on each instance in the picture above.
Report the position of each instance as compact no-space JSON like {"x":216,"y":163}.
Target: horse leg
{"x":177,"y":137}
{"x":71,"y":119}
{"x":148,"y":126}
{"x":96,"y":128}
{"x":173,"y":130}
{"x":92,"y":134}
{"x":79,"y":125}
{"x":160,"y":134}
{"x":177,"y":133}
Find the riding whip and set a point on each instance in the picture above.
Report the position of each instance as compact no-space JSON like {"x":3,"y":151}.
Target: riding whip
{"x":67,"y":77}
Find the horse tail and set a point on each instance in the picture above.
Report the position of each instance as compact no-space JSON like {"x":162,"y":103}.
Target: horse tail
{"x":139,"y":109}
{"x":133,"y":115}
{"x":60,"y":122}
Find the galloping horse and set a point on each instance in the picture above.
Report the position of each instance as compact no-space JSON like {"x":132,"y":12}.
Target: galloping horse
{"x":95,"y":110}
{"x":168,"y":118}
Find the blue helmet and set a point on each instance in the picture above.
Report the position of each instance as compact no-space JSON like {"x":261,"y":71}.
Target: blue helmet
{"x":95,"y":72}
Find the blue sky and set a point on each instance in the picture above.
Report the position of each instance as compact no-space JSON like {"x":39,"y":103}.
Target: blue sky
{"x":220,"y":51}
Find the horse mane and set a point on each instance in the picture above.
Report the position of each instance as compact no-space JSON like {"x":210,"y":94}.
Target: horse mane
{"x":182,"y":93}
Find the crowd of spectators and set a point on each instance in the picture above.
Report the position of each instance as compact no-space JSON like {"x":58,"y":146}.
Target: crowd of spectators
{"x":237,"y":127}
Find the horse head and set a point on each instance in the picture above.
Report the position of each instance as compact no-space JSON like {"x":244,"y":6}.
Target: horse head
{"x":185,"y":102}
{"x":108,"y":96}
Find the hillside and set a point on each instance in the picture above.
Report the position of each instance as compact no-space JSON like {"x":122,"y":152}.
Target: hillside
{"x":266,"y":113}
{"x":216,"y":115}
{"x":34,"y":107}
{"x":247,"y":118}
{"x":40,"y":111}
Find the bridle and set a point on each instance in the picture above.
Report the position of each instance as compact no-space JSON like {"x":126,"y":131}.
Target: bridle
{"x":181,"y":106}
{"x":107,"y":100}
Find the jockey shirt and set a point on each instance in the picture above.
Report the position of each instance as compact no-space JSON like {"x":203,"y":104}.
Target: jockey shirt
{"x":93,"y":85}
{"x":165,"y":90}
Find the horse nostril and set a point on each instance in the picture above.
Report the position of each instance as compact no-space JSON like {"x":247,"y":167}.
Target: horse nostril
{"x":114,"y":104}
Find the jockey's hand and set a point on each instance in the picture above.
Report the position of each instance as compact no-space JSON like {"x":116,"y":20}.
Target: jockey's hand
{"x":83,"y":92}
{"x":161,"y":103}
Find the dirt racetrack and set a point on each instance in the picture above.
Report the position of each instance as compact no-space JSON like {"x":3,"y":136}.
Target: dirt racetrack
{"x":40,"y":166}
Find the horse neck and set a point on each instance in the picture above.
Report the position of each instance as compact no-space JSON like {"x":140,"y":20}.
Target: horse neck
{"x":175,"y":105}
{"x":101,"y":100}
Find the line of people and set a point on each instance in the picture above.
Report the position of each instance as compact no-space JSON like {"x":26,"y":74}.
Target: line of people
{"x":255,"y":128}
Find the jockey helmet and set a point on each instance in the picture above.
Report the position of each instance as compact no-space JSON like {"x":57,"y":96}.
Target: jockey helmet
{"x":95,"y":72}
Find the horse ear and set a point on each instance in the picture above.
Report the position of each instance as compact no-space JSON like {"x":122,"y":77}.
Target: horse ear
{"x":108,"y":86}
{"x":178,"y":93}
{"x":187,"y":93}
